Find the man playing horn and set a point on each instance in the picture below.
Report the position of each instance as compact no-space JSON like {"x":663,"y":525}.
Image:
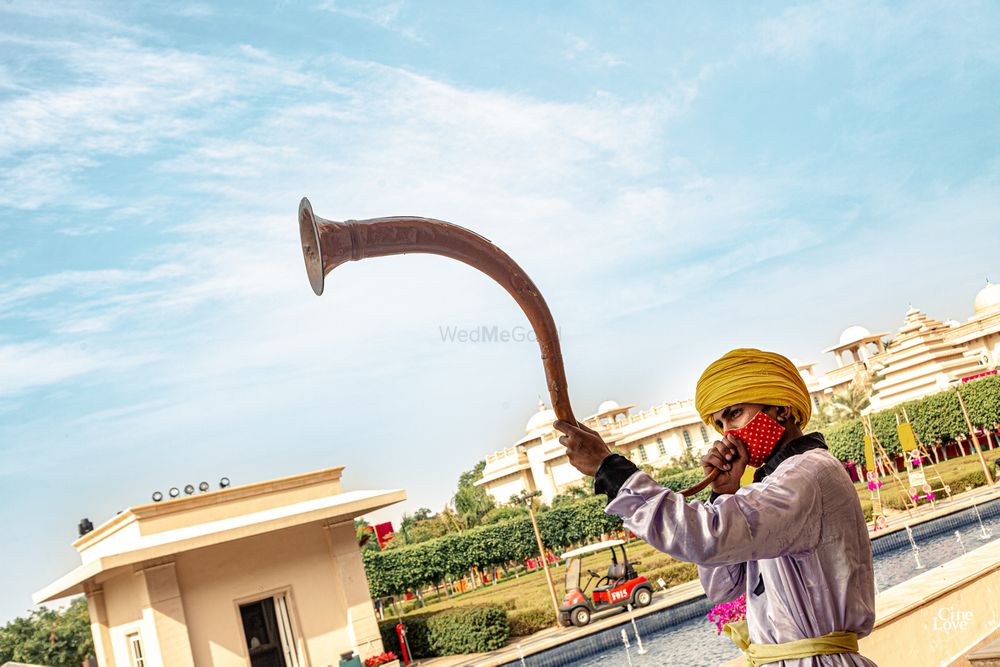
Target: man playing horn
{"x":794,"y":540}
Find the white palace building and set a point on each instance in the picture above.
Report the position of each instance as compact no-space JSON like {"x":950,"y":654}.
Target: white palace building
{"x":923,"y":357}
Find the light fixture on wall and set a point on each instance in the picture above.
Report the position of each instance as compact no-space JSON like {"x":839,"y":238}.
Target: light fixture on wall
{"x":174,"y":492}
{"x":157,"y":496}
{"x":224,"y":483}
{"x":203,"y":487}
{"x":189,"y":489}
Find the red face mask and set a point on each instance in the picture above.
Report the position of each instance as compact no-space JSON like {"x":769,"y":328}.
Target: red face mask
{"x":761,"y":434}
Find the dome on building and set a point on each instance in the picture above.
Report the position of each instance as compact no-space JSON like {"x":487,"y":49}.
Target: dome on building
{"x":988,"y":298}
{"x":541,"y":419}
{"x":605,"y":406}
{"x":853,"y":334}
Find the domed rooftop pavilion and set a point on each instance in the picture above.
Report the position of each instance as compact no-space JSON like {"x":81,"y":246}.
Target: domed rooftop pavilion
{"x":988,"y":299}
{"x":855,"y":340}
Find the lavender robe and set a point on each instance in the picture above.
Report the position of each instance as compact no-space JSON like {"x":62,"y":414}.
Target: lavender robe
{"x":800,"y":529}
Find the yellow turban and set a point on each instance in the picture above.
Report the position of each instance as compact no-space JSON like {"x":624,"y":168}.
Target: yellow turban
{"x":746,"y":375}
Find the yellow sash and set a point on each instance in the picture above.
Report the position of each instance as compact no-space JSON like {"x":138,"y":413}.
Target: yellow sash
{"x":762,"y":654}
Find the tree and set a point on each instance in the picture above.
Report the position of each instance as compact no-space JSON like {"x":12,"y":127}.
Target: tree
{"x":394,"y":571}
{"x":822,"y":417}
{"x":365,"y":535}
{"x":504,"y":513}
{"x":452,"y":522}
{"x":582,"y":490}
{"x":472,"y":502}
{"x":849,"y":402}
{"x":49,"y":637}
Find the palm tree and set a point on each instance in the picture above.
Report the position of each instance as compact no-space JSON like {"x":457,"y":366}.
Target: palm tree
{"x":852,"y":400}
{"x":451,"y":520}
{"x":822,"y":416}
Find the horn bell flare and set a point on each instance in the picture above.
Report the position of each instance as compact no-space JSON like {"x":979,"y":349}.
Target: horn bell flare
{"x":311,"y":251}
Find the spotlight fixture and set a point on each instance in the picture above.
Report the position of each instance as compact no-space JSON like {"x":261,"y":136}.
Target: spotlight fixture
{"x":85,"y":527}
{"x":203,"y":487}
{"x":157,"y":496}
{"x":174,"y":492}
{"x":224,"y":482}
{"x":189,"y":489}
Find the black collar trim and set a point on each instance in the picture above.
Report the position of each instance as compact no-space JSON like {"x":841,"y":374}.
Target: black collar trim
{"x":797,"y":446}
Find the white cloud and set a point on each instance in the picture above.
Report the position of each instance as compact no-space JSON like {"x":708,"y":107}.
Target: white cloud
{"x":194,"y":11}
{"x":382,"y":13}
{"x":42,"y":179}
{"x":578,"y":48}
{"x":545,"y":180}
{"x":932,"y":34}
{"x":24,"y":366}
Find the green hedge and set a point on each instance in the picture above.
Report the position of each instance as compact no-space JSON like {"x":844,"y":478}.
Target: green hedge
{"x":937,"y":417}
{"x":677,"y":572}
{"x":529,"y":621}
{"x":678,"y":481}
{"x":395,"y":571}
{"x":416,"y":634}
{"x":474,"y":629}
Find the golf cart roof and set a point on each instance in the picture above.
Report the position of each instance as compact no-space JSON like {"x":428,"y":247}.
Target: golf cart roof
{"x":590,"y":548}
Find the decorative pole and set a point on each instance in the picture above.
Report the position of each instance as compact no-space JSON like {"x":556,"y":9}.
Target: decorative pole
{"x":972,"y":436}
{"x":527,"y":498}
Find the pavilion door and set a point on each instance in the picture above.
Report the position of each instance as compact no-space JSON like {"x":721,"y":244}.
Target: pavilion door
{"x":285,"y":631}
{"x":268,"y":633}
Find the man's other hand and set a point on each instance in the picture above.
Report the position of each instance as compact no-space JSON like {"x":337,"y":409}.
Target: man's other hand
{"x":730,"y":456}
{"x":584,"y":447}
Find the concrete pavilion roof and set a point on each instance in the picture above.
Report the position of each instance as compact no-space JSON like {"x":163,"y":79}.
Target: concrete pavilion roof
{"x":169,"y":527}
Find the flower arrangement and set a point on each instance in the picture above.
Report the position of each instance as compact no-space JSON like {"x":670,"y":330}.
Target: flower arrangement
{"x":875,"y":484}
{"x":381,"y":659}
{"x":728,"y":612}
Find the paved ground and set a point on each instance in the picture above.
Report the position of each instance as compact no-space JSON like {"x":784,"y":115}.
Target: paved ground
{"x":555,"y":636}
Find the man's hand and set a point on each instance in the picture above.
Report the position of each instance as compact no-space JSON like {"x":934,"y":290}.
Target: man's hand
{"x":730,"y":456}
{"x":584,"y":447}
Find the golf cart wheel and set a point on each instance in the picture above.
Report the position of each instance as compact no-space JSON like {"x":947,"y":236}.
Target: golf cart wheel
{"x":643,"y":597}
{"x":580,"y":616}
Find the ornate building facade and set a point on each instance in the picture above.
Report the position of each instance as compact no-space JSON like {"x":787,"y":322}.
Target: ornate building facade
{"x":923,"y":357}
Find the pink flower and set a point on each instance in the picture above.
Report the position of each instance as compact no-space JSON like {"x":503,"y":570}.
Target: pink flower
{"x":728,"y":612}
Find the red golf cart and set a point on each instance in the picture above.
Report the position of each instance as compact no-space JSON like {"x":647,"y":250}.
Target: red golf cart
{"x":620,"y":587}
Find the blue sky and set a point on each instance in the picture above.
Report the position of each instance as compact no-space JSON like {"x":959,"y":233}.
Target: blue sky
{"x":678,"y":180}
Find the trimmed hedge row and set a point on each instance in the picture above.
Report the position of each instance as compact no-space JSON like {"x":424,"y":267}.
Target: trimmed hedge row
{"x":395,"y":571}
{"x":525,"y":622}
{"x":937,"y":417}
{"x":679,"y":481}
{"x":474,"y":629}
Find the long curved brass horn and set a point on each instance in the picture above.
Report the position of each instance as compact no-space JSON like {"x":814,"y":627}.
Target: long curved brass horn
{"x":327,"y":244}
